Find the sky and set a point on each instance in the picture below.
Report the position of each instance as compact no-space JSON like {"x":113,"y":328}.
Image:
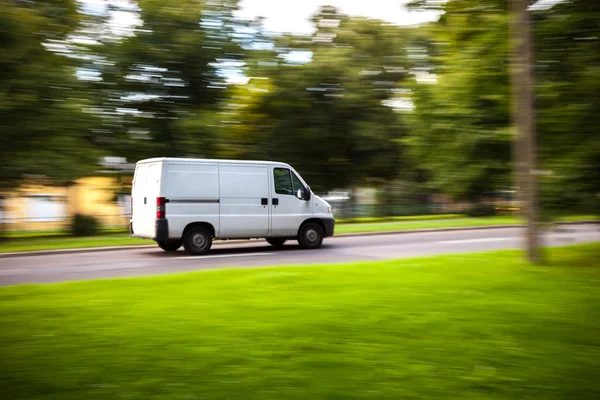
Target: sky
{"x":285,"y":16}
{"x":280,"y":16}
{"x":293,"y":16}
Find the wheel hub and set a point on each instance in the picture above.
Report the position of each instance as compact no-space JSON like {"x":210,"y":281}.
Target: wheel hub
{"x":312,"y":236}
{"x":198,"y":240}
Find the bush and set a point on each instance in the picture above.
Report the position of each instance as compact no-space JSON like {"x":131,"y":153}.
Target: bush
{"x":482,"y":210}
{"x":84,"y":225}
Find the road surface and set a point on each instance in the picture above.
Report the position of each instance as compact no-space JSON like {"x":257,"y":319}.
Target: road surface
{"x":150,"y":261}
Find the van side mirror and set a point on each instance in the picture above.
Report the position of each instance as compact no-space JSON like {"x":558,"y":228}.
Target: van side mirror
{"x":305,"y":195}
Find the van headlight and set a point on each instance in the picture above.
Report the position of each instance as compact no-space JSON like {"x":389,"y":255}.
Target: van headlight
{"x":329,"y":210}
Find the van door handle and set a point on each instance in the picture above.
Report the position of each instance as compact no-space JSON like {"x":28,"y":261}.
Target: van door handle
{"x":144,"y":200}
{"x":275,"y":202}
{"x":264,"y":201}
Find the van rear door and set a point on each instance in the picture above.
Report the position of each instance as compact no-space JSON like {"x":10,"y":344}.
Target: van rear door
{"x":145,"y":190}
{"x":137,"y":198}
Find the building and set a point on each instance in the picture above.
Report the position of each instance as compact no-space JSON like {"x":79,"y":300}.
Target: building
{"x":40,"y":205}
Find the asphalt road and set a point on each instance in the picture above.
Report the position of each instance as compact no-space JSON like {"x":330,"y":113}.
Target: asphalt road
{"x":151,"y":261}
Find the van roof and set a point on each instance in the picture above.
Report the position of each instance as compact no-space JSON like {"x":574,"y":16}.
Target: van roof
{"x":213,"y":160}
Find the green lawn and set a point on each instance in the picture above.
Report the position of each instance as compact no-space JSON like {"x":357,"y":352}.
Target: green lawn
{"x":426,"y":224}
{"x":479,"y":326}
{"x":54,"y":240}
{"x":68,"y":242}
{"x":407,"y":218}
{"x":37,"y":234}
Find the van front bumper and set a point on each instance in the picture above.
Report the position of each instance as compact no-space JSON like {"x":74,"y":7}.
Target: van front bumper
{"x":329,"y":226}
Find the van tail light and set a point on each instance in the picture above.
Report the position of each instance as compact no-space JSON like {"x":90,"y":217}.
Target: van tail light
{"x":131,"y":207}
{"x":161,"y":207}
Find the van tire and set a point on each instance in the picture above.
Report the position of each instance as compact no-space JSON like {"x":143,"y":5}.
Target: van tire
{"x":310,"y":236}
{"x":197,"y":240}
{"x":170,"y":245}
{"x":276,"y":242}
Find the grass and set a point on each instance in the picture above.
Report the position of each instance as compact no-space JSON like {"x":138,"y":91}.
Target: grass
{"x":38,"y":234}
{"x":434,"y":221}
{"x":426,"y":224}
{"x":69,"y":242}
{"x":480,"y":326}
{"x":54,"y":240}
{"x":407,"y":218}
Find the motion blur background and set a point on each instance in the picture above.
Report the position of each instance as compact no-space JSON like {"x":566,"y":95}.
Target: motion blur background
{"x":385,"y":107}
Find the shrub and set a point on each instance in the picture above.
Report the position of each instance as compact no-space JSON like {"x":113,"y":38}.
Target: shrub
{"x":84,"y":225}
{"x":482,"y":210}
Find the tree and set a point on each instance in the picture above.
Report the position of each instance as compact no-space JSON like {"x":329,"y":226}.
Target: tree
{"x":167,"y":79}
{"x":466,"y":112}
{"x":524,"y":148}
{"x":461,"y":134}
{"x":44,"y":129}
{"x":326,"y":115}
{"x":568,"y":82}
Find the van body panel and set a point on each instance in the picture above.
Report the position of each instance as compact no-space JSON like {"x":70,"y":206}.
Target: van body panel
{"x":242,"y":208}
{"x":192,"y":191}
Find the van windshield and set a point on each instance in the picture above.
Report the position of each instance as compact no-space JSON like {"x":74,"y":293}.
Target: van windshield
{"x":298,"y":185}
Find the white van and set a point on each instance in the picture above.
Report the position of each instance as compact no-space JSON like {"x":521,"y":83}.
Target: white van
{"x":190,"y":202}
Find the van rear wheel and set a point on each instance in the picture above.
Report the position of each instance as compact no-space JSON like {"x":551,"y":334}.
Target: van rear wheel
{"x":197,"y":241}
{"x":170,"y":245}
{"x":276,"y":242}
{"x":310,"y":236}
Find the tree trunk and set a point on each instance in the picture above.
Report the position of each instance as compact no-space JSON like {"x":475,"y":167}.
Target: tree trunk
{"x":524,"y":145}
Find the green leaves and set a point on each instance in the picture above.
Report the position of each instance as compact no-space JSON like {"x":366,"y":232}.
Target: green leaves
{"x":44,"y":130}
{"x":326,"y":103}
{"x":327,"y":116}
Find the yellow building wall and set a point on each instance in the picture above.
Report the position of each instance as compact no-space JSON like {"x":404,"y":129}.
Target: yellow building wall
{"x":16,"y":207}
{"x":94,"y":196}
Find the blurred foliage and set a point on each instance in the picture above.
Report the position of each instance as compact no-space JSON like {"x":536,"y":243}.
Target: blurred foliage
{"x":482,"y":210}
{"x":84,"y":225}
{"x":358,"y":102}
{"x":44,"y":131}
{"x":568,"y":107}
{"x":326,"y":116}
{"x":166,"y":75}
{"x":461,"y":134}
{"x":466,"y":113}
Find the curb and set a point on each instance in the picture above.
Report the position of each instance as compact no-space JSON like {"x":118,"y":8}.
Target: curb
{"x":557,"y":228}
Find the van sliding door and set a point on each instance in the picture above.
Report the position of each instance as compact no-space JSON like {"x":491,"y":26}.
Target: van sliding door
{"x":244,"y":212}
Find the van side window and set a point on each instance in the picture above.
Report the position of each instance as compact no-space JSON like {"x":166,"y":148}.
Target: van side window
{"x":283,"y":181}
{"x":298,"y":185}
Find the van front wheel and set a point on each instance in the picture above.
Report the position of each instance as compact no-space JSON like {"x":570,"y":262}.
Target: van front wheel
{"x":310,"y":236}
{"x":197,"y":241}
{"x":170,"y":245}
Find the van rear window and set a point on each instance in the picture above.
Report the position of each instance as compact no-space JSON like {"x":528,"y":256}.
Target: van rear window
{"x":153,"y":176}
{"x":139,"y":178}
